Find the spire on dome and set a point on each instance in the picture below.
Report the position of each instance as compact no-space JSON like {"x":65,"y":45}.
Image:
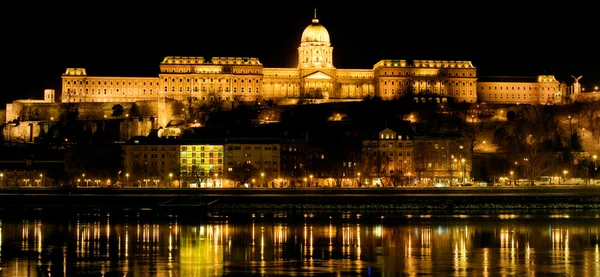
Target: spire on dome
{"x":315,"y":19}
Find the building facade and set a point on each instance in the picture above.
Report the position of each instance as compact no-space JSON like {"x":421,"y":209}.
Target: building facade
{"x":253,"y":163}
{"x":315,"y":77}
{"x":543,"y":89}
{"x":190,"y":163}
{"x":147,"y":163}
{"x":396,"y":159}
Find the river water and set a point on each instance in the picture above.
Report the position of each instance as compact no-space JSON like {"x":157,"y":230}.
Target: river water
{"x":146,"y":243}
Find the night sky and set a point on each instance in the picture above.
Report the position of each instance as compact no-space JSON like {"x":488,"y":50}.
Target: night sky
{"x":501,"y":38}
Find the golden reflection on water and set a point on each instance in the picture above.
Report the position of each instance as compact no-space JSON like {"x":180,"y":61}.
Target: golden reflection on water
{"x":453,"y":246}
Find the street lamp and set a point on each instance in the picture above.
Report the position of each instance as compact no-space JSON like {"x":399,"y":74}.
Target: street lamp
{"x":170,"y":179}
{"x":310,"y":182}
{"x":464,"y":168}
{"x":2,"y":178}
{"x":42,"y":180}
{"x":594,"y":158}
{"x":565,"y":175}
{"x":511,"y":177}
{"x":262,"y":179}
{"x":126,"y":178}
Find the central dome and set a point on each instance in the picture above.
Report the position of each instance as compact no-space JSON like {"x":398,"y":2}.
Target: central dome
{"x":315,"y":32}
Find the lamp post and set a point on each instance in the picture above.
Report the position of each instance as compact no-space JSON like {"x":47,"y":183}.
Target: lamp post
{"x":171,"y":179}
{"x":1,"y":179}
{"x":359,"y":180}
{"x":41,"y":180}
{"x":262,"y":179}
{"x":565,"y":175}
{"x":594,"y":158}
{"x":126,"y":179}
{"x":525,"y":168}
{"x":464,"y":168}
{"x":511,"y":177}
{"x":310,"y":182}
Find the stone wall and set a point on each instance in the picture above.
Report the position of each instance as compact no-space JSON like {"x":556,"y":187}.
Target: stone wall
{"x":111,"y":129}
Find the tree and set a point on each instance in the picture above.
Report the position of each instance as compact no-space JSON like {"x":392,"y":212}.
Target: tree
{"x":510,"y":116}
{"x":379,"y":165}
{"x":31,"y":113}
{"x":529,"y":140}
{"x":117,"y":110}
{"x":178,"y":108}
{"x":70,"y":113}
{"x":134,"y":110}
{"x":575,"y":142}
{"x":241,"y":173}
{"x":590,"y":111}
{"x":420,"y":160}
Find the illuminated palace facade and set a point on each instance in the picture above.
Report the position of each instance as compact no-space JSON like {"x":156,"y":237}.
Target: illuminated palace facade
{"x":315,"y":77}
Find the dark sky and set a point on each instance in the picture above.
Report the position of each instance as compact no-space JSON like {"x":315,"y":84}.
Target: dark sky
{"x":501,"y":38}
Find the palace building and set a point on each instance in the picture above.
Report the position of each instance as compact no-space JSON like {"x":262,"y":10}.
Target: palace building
{"x":315,"y":77}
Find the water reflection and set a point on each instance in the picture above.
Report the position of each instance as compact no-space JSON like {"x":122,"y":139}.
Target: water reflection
{"x":102,"y":245}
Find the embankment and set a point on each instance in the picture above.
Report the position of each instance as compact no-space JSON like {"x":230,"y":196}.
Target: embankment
{"x":374,"y":199}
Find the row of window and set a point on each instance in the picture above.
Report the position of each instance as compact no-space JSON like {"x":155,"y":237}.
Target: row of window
{"x":443,"y":92}
{"x":519,"y":88}
{"x":211,"y":80}
{"x":188,"y":70}
{"x":255,"y":162}
{"x":209,"y":148}
{"x":110,"y":91}
{"x":423,"y":83}
{"x":237,"y":147}
{"x":123,"y":83}
{"x":406,"y":73}
{"x":488,"y":96}
{"x":202,"y":161}
{"x":202,"y":154}
{"x":152,"y":156}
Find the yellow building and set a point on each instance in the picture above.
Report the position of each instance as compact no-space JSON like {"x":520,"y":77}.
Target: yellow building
{"x":254,"y":162}
{"x":543,"y":89}
{"x":201,"y":165}
{"x":315,"y":78}
{"x":242,"y":78}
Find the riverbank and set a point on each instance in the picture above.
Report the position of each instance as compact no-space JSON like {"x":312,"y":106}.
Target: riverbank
{"x":364,"y":199}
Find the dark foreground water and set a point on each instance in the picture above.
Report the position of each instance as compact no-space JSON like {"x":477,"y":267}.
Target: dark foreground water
{"x":133,"y":243}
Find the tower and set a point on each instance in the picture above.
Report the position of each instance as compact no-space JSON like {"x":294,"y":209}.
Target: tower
{"x":315,"y":49}
{"x":49,"y":95}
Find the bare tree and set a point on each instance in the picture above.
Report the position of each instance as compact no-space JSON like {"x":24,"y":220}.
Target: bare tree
{"x":590,"y":115}
{"x":529,"y":140}
{"x":202,"y":174}
{"x":242,"y":173}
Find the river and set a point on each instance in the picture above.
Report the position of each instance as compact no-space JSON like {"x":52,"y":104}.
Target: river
{"x":147,"y":243}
